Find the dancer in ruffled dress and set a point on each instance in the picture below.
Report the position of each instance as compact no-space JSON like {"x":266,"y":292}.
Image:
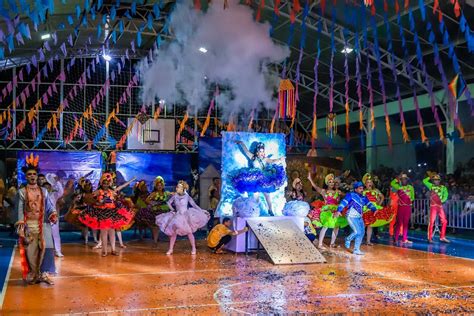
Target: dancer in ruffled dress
{"x":82,"y":200}
{"x":263,"y":175}
{"x":152,"y":205}
{"x":108,"y":213}
{"x":296,"y":206}
{"x":325,"y":216}
{"x":382,"y":216}
{"x":182,"y":220}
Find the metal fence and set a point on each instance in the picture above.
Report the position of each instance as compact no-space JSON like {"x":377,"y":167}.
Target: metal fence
{"x":460,"y":214}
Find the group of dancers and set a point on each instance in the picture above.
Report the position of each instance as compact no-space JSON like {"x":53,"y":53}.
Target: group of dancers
{"x":105,"y":210}
{"x":363,"y":210}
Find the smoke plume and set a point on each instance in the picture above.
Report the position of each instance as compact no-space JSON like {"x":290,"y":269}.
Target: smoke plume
{"x":238,"y":49}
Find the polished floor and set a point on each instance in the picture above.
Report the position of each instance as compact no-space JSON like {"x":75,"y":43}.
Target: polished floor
{"x":143,"y":280}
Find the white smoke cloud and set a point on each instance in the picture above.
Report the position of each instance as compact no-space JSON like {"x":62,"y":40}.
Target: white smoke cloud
{"x":237,"y":50}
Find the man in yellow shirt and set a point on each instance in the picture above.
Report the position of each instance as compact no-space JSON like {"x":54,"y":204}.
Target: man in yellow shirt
{"x":221,"y":235}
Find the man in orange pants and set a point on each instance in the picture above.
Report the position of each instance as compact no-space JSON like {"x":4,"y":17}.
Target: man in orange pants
{"x":439,"y":195}
{"x":394,"y":206}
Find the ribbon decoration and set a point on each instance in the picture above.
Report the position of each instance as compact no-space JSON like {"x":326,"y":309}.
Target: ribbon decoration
{"x":406,"y":138}
{"x":331,"y":65}
{"x":209,"y":111}
{"x":346,"y":86}
{"x":456,"y":67}
{"x":302,"y":46}
{"x":412,"y":83}
{"x":182,"y":125}
{"x":314,"y":130}
{"x":428,"y":83}
{"x":375,"y":49}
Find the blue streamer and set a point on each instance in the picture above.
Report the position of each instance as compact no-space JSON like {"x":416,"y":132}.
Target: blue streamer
{"x":421,"y":4}
{"x":113,"y":13}
{"x":149,"y":22}
{"x":133,"y":8}
{"x":156,"y":10}
{"x":78,"y":11}
{"x":139,"y":39}
{"x":70,"y":20}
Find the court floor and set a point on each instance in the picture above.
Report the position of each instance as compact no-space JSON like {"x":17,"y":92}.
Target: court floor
{"x":143,"y":280}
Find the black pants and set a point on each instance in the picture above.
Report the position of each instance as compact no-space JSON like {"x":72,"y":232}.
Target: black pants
{"x":224,"y":241}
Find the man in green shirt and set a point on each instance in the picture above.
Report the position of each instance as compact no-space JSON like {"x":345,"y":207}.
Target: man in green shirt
{"x":438,"y":195}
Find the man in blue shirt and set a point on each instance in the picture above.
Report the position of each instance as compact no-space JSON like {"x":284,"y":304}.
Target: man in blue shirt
{"x":355,"y":202}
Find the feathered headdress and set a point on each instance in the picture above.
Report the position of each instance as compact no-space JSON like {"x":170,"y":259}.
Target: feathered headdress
{"x":106,"y":176}
{"x":328,"y":178}
{"x":366,"y":178}
{"x":159,"y":179}
{"x":31,"y":163}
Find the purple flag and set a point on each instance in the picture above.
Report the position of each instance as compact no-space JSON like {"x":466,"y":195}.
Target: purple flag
{"x":112,"y":75}
{"x":45,"y":99}
{"x":45,"y":71}
{"x":133,"y":46}
{"x":28,"y":68}
{"x":19,"y":38}
{"x":20,"y":75}
{"x":55,"y":90}
{"x":33,"y":84}
{"x":123,"y":60}
{"x":46,"y":45}
{"x":126,"y":54}
{"x":69,"y":39}
{"x":49,"y":91}
{"x":23,"y":97}
{"x":62,"y":76}
{"x":27,"y":91}
{"x":41,"y":54}
{"x":50,"y":63}
{"x":9,"y":87}
{"x":34,"y":61}
{"x":63,"y":49}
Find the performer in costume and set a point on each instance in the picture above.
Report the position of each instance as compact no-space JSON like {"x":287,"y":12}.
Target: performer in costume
{"x":140,"y":194}
{"x":57,"y":191}
{"x":438,"y":195}
{"x":355,"y":202}
{"x":325,"y":216}
{"x":382,"y":216}
{"x":296,"y":206}
{"x":394,"y":206}
{"x":263,"y":174}
{"x":406,"y":196}
{"x":182,"y":220}
{"x":35,"y":213}
{"x":107,"y":213}
{"x":157,"y":204}
{"x":82,"y":200}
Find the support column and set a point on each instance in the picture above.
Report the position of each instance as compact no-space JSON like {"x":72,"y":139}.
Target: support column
{"x":449,"y":145}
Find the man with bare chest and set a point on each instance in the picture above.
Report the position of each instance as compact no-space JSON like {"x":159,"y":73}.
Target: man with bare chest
{"x":35,"y":215}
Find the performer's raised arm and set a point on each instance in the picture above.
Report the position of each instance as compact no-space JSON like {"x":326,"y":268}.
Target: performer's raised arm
{"x":318,"y":189}
{"x":244,"y":148}
{"x":123,"y":186}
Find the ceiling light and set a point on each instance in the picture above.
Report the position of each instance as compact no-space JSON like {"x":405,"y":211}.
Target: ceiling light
{"x":161,"y":102}
{"x":203,"y":50}
{"x":347,"y":50}
{"x":107,"y":57}
{"x":45,"y":36}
